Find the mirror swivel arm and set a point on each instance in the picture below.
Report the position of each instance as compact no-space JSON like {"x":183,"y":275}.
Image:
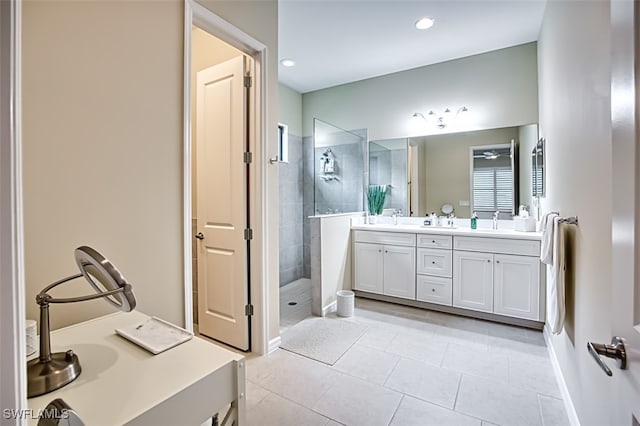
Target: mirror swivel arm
{"x":44,"y":298}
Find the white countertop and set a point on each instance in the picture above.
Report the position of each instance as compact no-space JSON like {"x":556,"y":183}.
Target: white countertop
{"x":457,"y":231}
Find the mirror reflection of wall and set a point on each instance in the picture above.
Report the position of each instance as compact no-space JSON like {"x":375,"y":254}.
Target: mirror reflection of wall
{"x":440,"y":170}
{"x":388,"y":166}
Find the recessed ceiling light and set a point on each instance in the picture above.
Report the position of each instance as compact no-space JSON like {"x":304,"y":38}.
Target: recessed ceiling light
{"x":286,"y":62}
{"x":424,"y":23}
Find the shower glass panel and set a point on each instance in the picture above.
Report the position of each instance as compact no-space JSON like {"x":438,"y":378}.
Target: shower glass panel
{"x":339,"y":158}
{"x":388,"y":166}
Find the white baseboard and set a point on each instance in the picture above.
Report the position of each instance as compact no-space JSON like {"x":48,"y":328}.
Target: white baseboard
{"x":274,"y":344}
{"x":331,"y":307}
{"x":564,"y":391}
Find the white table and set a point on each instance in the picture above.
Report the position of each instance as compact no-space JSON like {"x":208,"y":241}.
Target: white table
{"x":121,"y":383}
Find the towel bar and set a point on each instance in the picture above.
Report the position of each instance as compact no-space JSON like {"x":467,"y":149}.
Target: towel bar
{"x":573,"y":220}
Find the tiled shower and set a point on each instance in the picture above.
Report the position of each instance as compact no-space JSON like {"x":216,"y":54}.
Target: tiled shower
{"x":325,"y":174}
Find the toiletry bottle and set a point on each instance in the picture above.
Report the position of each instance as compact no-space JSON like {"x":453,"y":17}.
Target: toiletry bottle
{"x":474,"y":220}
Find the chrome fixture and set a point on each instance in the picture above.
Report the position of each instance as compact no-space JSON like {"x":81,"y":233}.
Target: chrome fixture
{"x":439,"y":120}
{"x":615,"y":350}
{"x":50,"y":371}
{"x":496,"y":214}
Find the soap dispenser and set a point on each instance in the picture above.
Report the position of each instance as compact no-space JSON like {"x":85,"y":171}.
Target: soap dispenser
{"x":474,"y":220}
{"x":434,"y":219}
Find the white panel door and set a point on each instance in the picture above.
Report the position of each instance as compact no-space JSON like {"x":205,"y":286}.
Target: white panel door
{"x":473,"y":280}
{"x":400,"y":271}
{"x":368,"y":260}
{"x":625,"y":102}
{"x":516,"y":286}
{"x":221,"y":198}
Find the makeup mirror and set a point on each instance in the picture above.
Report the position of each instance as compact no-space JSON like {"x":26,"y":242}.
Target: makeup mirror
{"x":52,"y":371}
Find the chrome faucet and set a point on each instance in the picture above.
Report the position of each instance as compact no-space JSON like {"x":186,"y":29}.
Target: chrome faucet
{"x":495,"y":219}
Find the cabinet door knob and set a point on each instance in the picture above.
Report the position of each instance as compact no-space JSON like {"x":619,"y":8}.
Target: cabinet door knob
{"x":489,"y":260}
{"x":497,"y":261}
{"x":379,"y":250}
{"x":386,"y":251}
{"x":433,"y":241}
{"x":434,"y":262}
{"x":433,"y":290}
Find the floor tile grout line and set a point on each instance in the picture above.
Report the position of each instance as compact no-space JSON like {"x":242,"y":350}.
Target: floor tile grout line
{"x":455,"y":400}
{"x":540,"y":409}
{"x":397,"y":408}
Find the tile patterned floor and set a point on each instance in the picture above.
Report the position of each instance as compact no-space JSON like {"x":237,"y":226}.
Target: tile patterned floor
{"x":411,"y":367}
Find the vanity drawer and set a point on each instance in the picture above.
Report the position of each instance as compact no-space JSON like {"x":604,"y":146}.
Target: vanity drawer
{"x":498,"y":245}
{"x":390,"y":238}
{"x":434,"y":289}
{"x":434,"y":262}
{"x":435,"y":241}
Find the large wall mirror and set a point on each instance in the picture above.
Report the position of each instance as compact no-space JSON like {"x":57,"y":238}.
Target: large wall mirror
{"x":428,"y":172}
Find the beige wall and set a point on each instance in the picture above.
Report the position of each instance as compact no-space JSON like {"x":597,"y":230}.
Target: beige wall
{"x":446,"y":168}
{"x":290,"y":109}
{"x":500,"y":89}
{"x":102,"y":144}
{"x":102,"y":87}
{"x":575,"y":120}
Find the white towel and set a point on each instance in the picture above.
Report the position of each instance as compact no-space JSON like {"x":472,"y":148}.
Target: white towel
{"x":556,"y":278}
{"x":547,"y":228}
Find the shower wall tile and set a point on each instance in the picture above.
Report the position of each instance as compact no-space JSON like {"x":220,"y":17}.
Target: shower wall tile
{"x":308,"y":208}
{"x":290,"y":233}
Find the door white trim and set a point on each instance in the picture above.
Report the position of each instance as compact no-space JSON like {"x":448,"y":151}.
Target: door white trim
{"x":198,"y":15}
{"x":12,"y":315}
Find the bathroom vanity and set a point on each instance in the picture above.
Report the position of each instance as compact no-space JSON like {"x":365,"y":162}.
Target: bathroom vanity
{"x":490,"y":274}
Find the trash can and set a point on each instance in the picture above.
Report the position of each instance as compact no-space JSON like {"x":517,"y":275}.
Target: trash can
{"x":346,"y":301}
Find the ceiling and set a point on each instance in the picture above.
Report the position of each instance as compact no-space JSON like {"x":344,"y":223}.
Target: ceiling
{"x":340,"y":41}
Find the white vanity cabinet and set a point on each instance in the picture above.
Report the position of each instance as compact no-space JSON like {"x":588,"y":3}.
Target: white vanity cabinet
{"x":473,"y":280}
{"x":516,"y":284}
{"x":434,"y":269}
{"x":500,"y":276}
{"x":385,"y":263}
{"x":496,"y":274}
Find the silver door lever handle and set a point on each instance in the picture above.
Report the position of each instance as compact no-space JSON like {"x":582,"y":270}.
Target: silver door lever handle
{"x":615,"y":350}
{"x":200,"y":236}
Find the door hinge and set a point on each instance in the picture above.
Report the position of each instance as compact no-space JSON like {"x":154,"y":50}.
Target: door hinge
{"x":248,"y":310}
{"x":248,"y":81}
{"x":248,"y":234}
{"x":248,"y":157}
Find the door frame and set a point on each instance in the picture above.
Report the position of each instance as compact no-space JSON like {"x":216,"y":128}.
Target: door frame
{"x":12,"y":285}
{"x":198,"y":15}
